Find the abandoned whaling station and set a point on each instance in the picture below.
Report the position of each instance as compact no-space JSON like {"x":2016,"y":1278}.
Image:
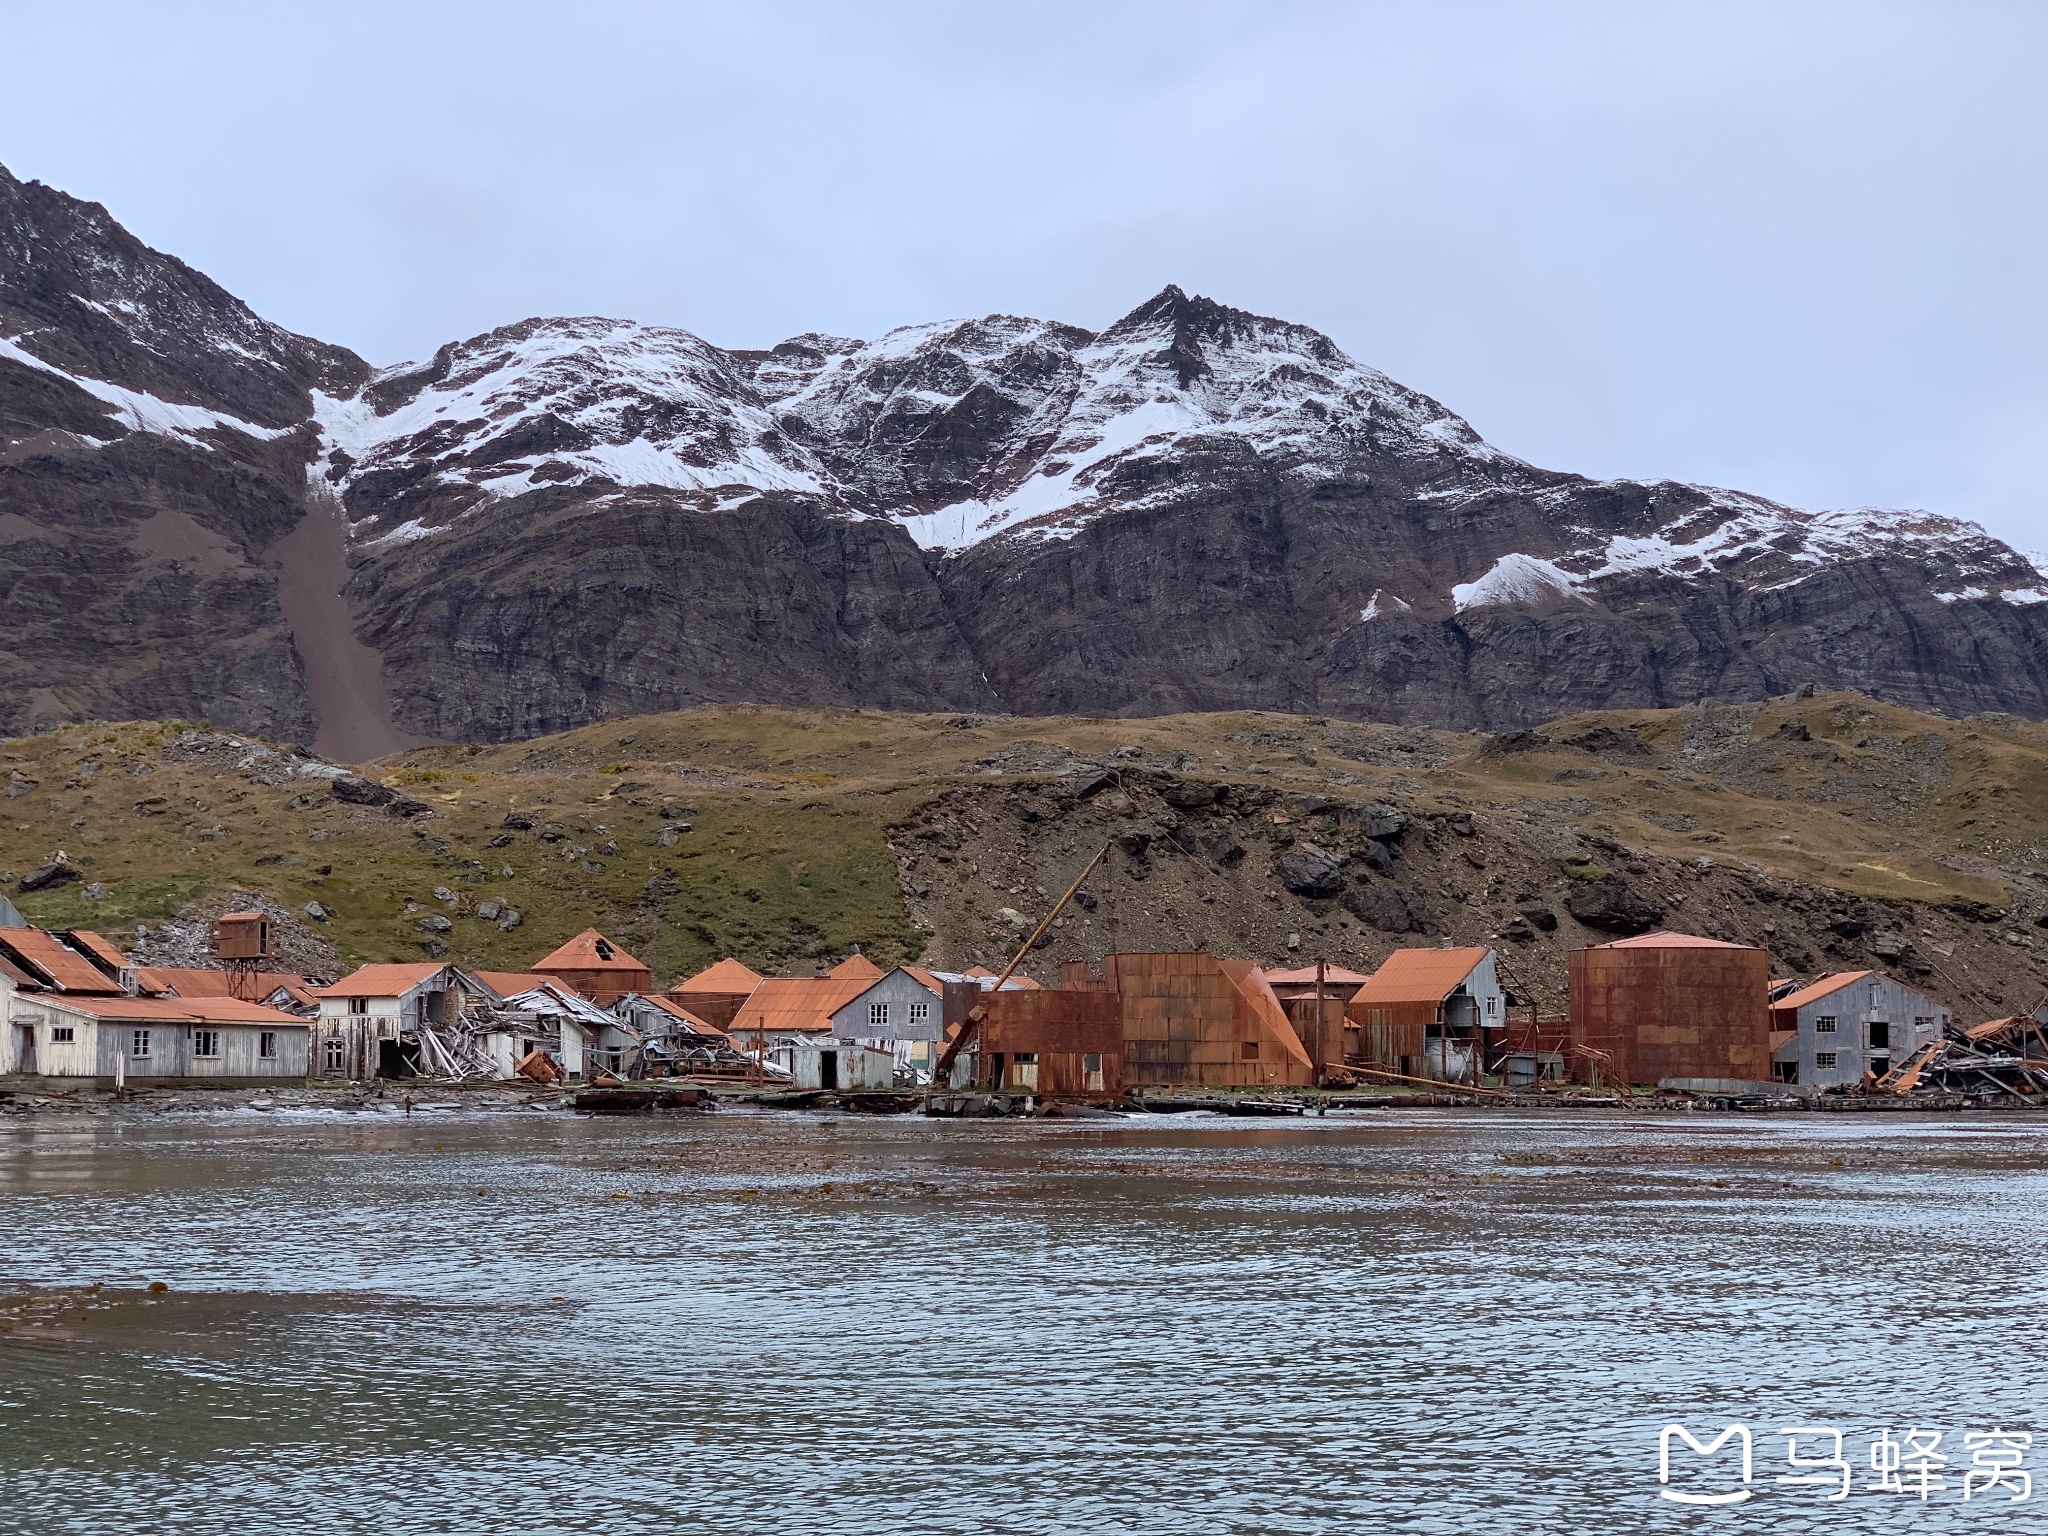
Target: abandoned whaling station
{"x":1655,"y":1018}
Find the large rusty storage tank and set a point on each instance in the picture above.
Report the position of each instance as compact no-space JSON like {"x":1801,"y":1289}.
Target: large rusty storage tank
{"x":1667,"y":1005}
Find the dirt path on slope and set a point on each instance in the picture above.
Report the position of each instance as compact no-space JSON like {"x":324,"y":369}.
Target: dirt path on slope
{"x":344,"y":676}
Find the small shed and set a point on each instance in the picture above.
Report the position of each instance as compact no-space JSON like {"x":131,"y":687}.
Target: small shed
{"x":843,"y":1066}
{"x":1833,"y":1031}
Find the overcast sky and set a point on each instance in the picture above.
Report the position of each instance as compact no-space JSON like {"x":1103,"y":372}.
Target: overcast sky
{"x":1795,"y":248}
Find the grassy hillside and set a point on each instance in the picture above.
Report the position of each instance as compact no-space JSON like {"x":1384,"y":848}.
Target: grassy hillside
{"x":787,"y":859}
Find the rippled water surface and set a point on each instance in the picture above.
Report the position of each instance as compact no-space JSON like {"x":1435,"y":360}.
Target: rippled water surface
{"x":1424,"y":1321}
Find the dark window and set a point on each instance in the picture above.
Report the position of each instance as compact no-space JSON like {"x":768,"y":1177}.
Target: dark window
{"x":139,"y":1047}
{"x":61,"y":1034}
{"x":359,"y":1005}
{"x":1824,"y":1058}
{"x":1249,"y":1050}
{"x":1880,"y":1035}
{"x":1091,"y":1062}
{"x":206,"y":1042}
{"x":266,"y":1045}
{"x":334,"y":1055}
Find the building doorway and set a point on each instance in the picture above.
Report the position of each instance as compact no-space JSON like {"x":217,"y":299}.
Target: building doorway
{"x":828,"y":1069}
{"x":25,"y":1049}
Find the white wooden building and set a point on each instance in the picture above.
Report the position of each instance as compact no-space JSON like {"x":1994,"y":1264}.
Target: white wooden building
{"x":145,"y":1041}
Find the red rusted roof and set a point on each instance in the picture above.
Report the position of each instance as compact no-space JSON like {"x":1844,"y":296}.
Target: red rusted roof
{"x":856,"y":966}
{"x":511,"y":983}
{"x":189,"y":982}
{"x":176,"y":1010}
{"x":381,"y":981}
{"x":1305,"y":976}
{"x":66,"y":969}
{"x":1418,"y":976}
{"x":100,"y":948}
{"x":1813,"y":991}
{"x":581,"y":954}
{"x":784,"y":1003}
{"x":728,"y":978}
{"x":675,"y":1010}
{"x":1663,"y":940}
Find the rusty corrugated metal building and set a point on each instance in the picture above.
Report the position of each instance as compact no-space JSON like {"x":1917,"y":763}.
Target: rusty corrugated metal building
{"x":1058,"y":1044}
{"x":1671,"y":1005}
{"x":1191,"y":1020}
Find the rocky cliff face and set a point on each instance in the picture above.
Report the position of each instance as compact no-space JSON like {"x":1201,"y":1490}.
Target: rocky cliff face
{"x":153,"y":442}
{"x":1198,"y":508}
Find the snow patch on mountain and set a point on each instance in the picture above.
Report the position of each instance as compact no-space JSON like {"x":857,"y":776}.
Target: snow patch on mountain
{"x":600,"y":399}
{"x":1518,"y":581}
{"x":142,"y":412}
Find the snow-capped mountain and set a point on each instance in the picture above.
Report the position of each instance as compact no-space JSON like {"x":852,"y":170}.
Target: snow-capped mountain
{"x":1194,"y":508}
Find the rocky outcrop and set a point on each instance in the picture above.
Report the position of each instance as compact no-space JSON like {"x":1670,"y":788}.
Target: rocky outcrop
{"x":153,"y":443}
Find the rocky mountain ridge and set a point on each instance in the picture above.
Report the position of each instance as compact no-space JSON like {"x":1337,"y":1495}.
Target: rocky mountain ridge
{"x":1196,"y":508}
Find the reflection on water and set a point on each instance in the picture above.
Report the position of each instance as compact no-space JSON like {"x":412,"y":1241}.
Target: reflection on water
{"x":1430,"y":1321}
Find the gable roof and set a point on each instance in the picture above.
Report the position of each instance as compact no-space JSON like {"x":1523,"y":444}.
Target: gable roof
{"x":1667,"y":940}
{"x":683,"y":1015}
{"x":177,"y":1010}
{"x":381,"y":980}
{"x":97,"y":948}
{"x":1814,"y":991}
{"x":856,"y":965}
{"x":804,"y":1003}
{"x":728,"y":977}
{"x":589,"y":951}
{"x":1418,"y":976}
{"x":511,"y":983}
{"x":60,"y":966}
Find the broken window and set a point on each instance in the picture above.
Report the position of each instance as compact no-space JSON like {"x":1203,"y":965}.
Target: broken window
{"x":1249,"y":1050}
{"x":1824,"y":1059}
{"x":1824,"y":1025}
{"x":266,"y":1045}
{"x":1091,"y":1070}
{"x":920,"y":1013}
{"x":206,"y":1042}
{"x":1880,"y":1035}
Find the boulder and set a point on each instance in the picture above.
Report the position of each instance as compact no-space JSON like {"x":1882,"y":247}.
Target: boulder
{"x":1537,"y":916}
{"x":316,"y":912}
{"x":1389,"y":909}
{"x":1308,"y":871}
{"x":1191,"y":794}
{"x":514,"y":822}
{"x":360,"y":791}
{"x":1610,"y":906}
{"x":1383,"y":822}
{"x":48,"y":876}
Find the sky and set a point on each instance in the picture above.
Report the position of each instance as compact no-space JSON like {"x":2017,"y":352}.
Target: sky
{"x":1792,"y":247}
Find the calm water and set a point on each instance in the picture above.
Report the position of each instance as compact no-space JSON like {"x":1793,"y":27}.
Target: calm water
{"x":1424,"y":1321}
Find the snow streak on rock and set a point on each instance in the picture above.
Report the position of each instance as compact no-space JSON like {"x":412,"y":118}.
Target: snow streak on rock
{"x":138,"y":411}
